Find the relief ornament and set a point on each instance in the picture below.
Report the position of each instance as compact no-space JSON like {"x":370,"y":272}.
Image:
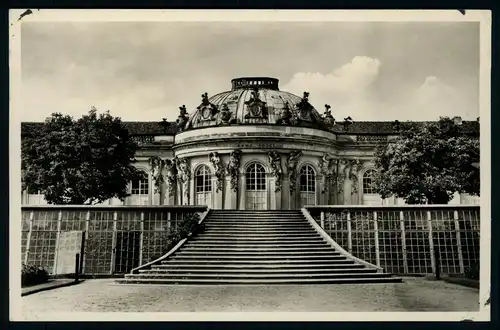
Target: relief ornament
{"x":277,"y":171}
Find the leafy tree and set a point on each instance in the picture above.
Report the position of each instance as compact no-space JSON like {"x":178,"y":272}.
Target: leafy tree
{"x":83,"y":161}
{"x":428,"y":163}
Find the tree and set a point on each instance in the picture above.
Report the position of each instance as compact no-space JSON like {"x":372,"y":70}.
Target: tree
{"x":83,"y":161}
{"x":428,"y":163}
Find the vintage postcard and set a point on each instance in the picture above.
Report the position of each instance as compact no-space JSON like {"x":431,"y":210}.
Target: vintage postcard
{"x":250,"y":165}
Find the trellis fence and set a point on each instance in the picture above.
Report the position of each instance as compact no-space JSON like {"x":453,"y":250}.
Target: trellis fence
{"x":117,"y":238}
{"x":404,"y":239}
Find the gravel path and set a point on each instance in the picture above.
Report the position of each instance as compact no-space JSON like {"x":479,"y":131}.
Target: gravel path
{"x":105,"y":296}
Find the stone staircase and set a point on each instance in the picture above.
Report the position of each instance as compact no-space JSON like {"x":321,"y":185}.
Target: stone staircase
{"x":257,"y":247}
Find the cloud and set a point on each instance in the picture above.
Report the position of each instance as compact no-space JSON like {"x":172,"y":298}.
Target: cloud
{"x":435,"y":98}
{"x":146,"y":70}
{"x":347,"y":88}
{"x":350,"y":90}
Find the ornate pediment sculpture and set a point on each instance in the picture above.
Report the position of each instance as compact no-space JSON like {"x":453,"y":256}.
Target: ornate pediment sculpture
{"x":171,"y":170}
{"x":233,"y":168}
{"x":328,"y":118}
{"x":286,"y":116}
{"x":347,"y":123}
{"x":156,"y":165}
{"x":225,"y":115}
{"x":255,"y":107}
{"x":183,"y":118}
{"x":277,"y":171}
{"x":291,"y":165}
{"x":305,"y":109}
{"x":219,"y":170}
{"x":207,"y":110}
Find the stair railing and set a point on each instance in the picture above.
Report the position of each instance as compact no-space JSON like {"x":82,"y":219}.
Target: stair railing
{"x":172,"y":250}
{"x":334,"y":244}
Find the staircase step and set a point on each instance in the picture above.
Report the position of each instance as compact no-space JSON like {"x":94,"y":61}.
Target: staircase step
{"x":257,"y":224}
{"x":259,"y":235}
{"x":262,"y":232}
{"x":288,"y":271}
{"x":274,"y":258}
{"x":250,"y":253}
{"x":235,"y":261}
{"x":255,"y":249}
{"x":260,"y":240}
{"x":259,"y":276}
{"x":263,"y":281}
{"x":253,"y":265}
{"x":194,"y":244}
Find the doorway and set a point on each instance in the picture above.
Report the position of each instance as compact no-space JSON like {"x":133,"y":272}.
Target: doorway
{"x":256,"y":187}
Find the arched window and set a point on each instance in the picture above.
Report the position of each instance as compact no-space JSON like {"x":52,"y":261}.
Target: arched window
{"x":255,"y":177}
{"x":203,"y":179}
{"x":203,"y":186}
{"x":307,"y":185}
{"x":368,"y":182}
{"x":256,"y":193}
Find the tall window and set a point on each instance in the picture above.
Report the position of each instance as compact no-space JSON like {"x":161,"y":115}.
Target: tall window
{"x":256,"y":177}
{"x":203,"y":179}
{"x":307,"y":179}
{"x":368,"y":182}
{"x":203,"y":186}
{"x":256,"y":193}
{"x":307,"y":185}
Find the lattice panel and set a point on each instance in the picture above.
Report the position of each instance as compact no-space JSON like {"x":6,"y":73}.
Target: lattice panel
{"x":391,"y":251}
{"x":363,"y":246}
{"x":418,"y":252}
{"x":24,"y":244}
{"x":45,"y":220}
{"x":415,"y":220}
{"x":98,"y":252}
{"x":128,"y":220}
{"x":128,"y":246}
{"x":73,"y":220}
{"x":446,"y":245}
{"x":42,"y":249}
{"x":99,"y":243}
{"x":336,"y":227}
{"x":25,"y":220}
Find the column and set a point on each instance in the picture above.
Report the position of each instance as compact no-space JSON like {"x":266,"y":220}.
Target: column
{"x":285,"y":194}
{"x":179,"y":193}
{"x":271,"y":193}
{"x":192,"y":197}
{"x":218,"y":196}
{"x":230,"y":196}
{"x":323,"y":200}
{"x":277,"y":197}
{"x":240,"y":197}
{"x":170,"y":195}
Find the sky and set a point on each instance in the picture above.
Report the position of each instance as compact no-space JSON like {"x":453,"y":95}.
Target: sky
{"x":143,"y":71}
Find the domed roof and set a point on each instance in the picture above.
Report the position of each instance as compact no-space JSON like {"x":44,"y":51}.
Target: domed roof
{"x":253,"y":101}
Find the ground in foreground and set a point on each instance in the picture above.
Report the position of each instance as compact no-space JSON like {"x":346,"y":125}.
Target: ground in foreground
{"x":415,"y":294}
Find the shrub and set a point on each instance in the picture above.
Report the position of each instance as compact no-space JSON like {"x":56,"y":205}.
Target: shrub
{"x":31,"y":275}
{"x":189,"y":224}
{"x":472,"y":273}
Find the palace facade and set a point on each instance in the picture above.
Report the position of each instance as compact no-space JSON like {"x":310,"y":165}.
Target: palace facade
{"x":256,"y":147}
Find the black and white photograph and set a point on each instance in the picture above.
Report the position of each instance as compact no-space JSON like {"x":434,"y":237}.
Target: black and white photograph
{"x":250,"y":165}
